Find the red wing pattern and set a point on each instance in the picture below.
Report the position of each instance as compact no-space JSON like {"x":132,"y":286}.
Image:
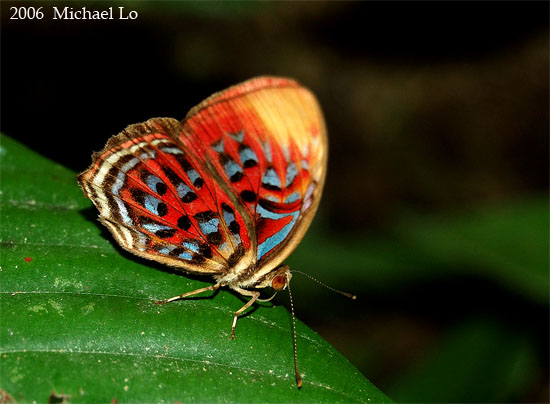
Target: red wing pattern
{"x":228,"y":191}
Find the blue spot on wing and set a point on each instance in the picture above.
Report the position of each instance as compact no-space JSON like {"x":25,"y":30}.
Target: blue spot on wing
{"x":277,"y":238}
{"x":154,"y":227}
{"x":151,"y":204}
{"x":152,"y":182}
{"x":119,"y":182}
{"x":193,"y":175}
{"x":248,"y":155}
{"x":218,"y":146}
{"x":148,"y":155}
{"x":231,"y":168}
{"x":166,"y":250}
{"x":293,"y":197}
{"x":185,"y":255}
{"x":263,"y":212}
{"x":183,"y":190}
{"x":271,"y":178}
{"x":210,"y":226}
{"x":237,"y":239}
{"x":228,"y":217}
{"x":190,"y":245}
{"x":239,"y":136}
{"x":291,"y":172}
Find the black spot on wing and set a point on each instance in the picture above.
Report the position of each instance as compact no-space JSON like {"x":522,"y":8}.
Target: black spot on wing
{"x":237,"y":177}
{"x":176,"y":252}
{"x":234,"y":227}
{"x":205,"y":250}
{"x":138,"y":195}
{"x":215,"y":238}
{"x":198,"y":259}
{"x":205,"y":216}
{"x":198,"y":183}
{"x":165,"y":233}
{"x":185,"y":165}
{"x":271,"y":187}
{"x":162,"y":209}
{"x":227,"y":208}
{"x":184,"y":223}
{"x":189,"y":197}
{"x":248,"y":196}
{"x":161,"y":188}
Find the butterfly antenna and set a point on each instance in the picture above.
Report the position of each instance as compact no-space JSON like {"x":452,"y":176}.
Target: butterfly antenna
{"x":350,"y":295}
{"x":296,"y":371}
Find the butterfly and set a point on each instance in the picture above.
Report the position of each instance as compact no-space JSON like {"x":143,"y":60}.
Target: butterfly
{"x":229,"y":191}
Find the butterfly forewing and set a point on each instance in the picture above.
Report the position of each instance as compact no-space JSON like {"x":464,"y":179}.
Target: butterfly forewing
{"x":157,"y":200}
{"x":267,"y":140}
{"x":232,"y":188}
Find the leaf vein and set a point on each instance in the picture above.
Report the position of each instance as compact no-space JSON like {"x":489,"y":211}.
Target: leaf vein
{"x":200,"y":361}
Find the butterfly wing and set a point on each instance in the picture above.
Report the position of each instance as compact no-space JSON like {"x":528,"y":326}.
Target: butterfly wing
{"x":229,"y":191}
{"x":266,"y":138}
{"x":158,"y":201}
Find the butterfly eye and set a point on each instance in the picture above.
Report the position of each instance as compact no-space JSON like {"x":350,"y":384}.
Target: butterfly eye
{"x":278,"y":283}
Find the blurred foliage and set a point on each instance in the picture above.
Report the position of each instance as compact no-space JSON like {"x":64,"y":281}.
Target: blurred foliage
{"x":505,"y":242}
{"x":435,"y":210}
{"x":482,"y":275}
{"x":478,"y":359}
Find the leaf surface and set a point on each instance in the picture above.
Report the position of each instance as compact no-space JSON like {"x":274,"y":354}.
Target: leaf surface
{"x":78,"y":317}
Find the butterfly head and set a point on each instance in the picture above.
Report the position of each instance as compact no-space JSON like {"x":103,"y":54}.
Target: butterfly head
{"x":278,"y":279}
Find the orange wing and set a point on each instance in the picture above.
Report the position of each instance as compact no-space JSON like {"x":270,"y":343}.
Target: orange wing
{"x":266,"y":138}
{"x":230,"y":190}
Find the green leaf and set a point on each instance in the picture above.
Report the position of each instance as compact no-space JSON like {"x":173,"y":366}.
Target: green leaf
{"x":78,"y":317}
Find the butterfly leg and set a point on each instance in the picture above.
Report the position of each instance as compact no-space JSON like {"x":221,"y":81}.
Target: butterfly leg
{"x":184,"y":295}
{"x":254,"y":296}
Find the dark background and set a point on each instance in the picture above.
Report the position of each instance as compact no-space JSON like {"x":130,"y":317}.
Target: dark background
{"x":435,"y":210}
